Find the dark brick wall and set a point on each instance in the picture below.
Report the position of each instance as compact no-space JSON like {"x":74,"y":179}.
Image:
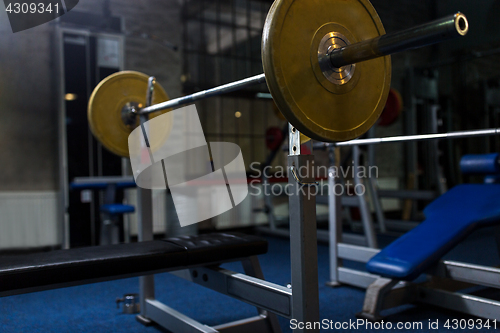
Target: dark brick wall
{"x":396,"y":16}
{"x":471,"y":64}
{"x":28,"y":129}
{"x":154,"y":17}
{"x":28,"y":92}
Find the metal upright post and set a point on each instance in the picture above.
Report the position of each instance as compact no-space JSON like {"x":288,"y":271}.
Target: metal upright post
{"x":411,"y":147}
{"x":145,"y":226}
{"x":334,"y":220}
{"x":145,"y":223}
{"x":497,"y":238}
{"x":252,"y":268}
{"x":366,"y":217}
{"x":303,"y":234}
{"x":126,"y":219}
{"x":268,"y":202}
{"x":372,"y":186}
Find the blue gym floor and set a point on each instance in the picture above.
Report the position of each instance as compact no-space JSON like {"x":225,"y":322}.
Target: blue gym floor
{"x":92,"y":308}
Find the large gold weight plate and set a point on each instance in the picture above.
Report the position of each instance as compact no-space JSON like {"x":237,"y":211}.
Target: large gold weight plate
{"x":277,"y":112}
{"x":304,"y":139}
{"x":105,"y":110}
{"x":319,"y":108}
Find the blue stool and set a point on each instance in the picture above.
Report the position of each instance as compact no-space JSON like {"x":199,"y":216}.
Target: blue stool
{"x":117,"y":209}
{"x":110,"y":211}
{"x":110,"y":229}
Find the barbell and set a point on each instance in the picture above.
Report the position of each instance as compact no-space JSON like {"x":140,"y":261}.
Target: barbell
{"x":326,"y":63}
{"x":411,"y":138}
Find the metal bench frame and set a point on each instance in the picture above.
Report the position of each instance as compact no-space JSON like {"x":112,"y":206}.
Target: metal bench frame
{"x":270,"y":299}
{"x":442,"y":287}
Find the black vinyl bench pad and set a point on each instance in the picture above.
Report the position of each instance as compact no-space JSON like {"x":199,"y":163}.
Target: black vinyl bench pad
{"x":62,"y":268}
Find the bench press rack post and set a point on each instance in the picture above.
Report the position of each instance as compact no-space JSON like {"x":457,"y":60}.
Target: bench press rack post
{"x":334,"y":215}
{"x":366,"y":217}
{"x":303,"y":234}
{"x":302,"y":304}
{"x":145,"y":223}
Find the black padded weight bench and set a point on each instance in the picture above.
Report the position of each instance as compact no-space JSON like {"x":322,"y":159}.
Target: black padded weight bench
{"x":199,"y":257}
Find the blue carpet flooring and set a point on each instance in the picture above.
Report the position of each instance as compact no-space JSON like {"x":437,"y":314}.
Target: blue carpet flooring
{"x":91,"y":308}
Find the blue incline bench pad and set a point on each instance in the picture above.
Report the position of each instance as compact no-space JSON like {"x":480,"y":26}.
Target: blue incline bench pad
{"x":450,"y":218}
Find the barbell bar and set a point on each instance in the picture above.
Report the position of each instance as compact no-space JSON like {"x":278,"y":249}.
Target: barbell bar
{"x":408,"y":138}
{"x":446,"y":28}
{"x":449,"y":27}
{"x":322,"y":101}
{"x":224,"y":89}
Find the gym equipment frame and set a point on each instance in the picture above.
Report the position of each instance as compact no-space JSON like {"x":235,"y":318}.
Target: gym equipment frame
{"x":446,"y":278}
{"x":302,"y":304}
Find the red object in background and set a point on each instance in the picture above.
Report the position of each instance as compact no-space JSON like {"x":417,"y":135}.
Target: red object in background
{"x":392,"y":109}
{"x":304,"y":149}
{"x":274,"y":138}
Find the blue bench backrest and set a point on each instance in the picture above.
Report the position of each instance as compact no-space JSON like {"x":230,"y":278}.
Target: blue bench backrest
{"x":450,"y":218}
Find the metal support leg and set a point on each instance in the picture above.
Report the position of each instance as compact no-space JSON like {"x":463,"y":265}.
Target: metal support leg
{"x":373,"y":191}
{"x":252,"y":268}
{"x":363,"y":205}
{"x":145,"y":226}
{"x":109,"y":230}
{"x":268,"y":203}
{"x":126,"y":218}
{"x":145,"y":222}
{"x":334,"y":221}
{"x":303,"y":236}
{"x":497,"y":239}
{"x":374,"y":298}
{"x":372,"y":185}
